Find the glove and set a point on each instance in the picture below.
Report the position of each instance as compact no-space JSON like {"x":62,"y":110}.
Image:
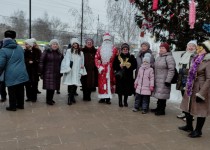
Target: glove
{"x":135,"y":86}
{"x":151,"y":88}
{"x":167,"y":84}
{"x":199,"y":100}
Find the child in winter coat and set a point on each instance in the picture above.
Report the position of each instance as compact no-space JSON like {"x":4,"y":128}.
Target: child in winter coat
{"x":144,"y":85}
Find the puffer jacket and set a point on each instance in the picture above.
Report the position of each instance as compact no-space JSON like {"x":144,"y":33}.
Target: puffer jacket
{"x":144,"y":80}
{"x":12,"y":63}
{"x":164,"y":72}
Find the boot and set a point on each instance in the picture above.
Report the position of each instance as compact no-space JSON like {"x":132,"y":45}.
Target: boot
{"x":157,"y":108}
{"x":108,"y":101}
{"x":161,"y":110}
{"x":188,"y":127}
{"x":69,"y":100}
{"x":125,"y":101}
{"x":102,"y":100}
{"x":198,"y":130}
{"x":120,"y":100}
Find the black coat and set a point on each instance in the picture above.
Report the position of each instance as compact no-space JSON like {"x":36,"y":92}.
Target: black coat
{"x":90,"y":80}
{"x":125,"y":85}
{"x":32,"y":68}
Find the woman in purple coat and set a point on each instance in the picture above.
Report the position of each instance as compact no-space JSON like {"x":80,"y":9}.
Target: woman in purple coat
{"x":50,"y":63}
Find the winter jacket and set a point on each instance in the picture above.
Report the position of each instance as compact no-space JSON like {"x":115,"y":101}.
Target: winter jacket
{"x":125,"y":85}
{"x":12,"y":62}
{"x":49,"y":69}
{"x":91,"y":79}
{"x":201,"y":88}
{"x":73,"y":76}
{"x":183,"y":73}
{"x":144,"y":80}
{"x":32,"y":68}
{"x":164,"y":72}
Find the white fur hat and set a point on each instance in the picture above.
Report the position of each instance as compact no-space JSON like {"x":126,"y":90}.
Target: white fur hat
{"x":107,"y":36}
{"x":29,"y":42}
{"x":192,"y":42}
{"x":75,"y":40}
{"x":34,"y":40}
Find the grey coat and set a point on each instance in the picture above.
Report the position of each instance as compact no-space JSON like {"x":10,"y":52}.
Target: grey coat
{"x":201,"y":88}
{"x":164,"y":72}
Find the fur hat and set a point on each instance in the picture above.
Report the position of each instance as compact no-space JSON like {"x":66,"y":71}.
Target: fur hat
{"x":75,"y":40}
{"x":107,"y":36}
{"x":207,"y":45}
{"x":147,"y":57}
{"x":34,"y":40}
{"x":29,"y":42}
{"x":192,"y":42}
{"x":89,"y":39}
{"x":10,"y":34}
{"x":125,"y":45}
{"x":54,"y":41}
{"x":167,"y":47}
{"x":145,"y":43}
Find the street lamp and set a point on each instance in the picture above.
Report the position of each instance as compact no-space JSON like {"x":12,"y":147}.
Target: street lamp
{"x":82,"y":21}
{"x":29,"y":19}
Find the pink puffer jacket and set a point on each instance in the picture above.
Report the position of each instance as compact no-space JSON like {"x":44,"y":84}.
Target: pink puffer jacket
{"x":144,"y":80}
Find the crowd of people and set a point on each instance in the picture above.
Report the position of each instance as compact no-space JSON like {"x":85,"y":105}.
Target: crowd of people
{"x":110,"y":69}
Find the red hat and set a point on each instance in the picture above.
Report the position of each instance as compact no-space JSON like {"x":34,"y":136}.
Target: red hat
{"x":167,"y":47}
{"x":107,"y":36}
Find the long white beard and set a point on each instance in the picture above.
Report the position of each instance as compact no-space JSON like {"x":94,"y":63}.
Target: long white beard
{"x":106,"y":51}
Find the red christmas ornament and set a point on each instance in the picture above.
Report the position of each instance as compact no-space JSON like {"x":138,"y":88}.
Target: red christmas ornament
{"x":142,"y":34}
{"x":155,"y":5}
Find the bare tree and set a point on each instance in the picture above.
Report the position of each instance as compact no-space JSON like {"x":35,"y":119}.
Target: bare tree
{"x":41,"y":28}
{"x":18,"y":23}
{"x":121,"y":20}
{"x":87,"y":19}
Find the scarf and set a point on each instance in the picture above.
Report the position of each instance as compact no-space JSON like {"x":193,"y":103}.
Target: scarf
{"x":185,"y":59}
{"x":193,"y":72}
{"x":124,"y":60}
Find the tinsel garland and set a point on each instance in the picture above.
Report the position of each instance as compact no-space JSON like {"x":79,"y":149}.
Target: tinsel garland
{"x":192,"y":73}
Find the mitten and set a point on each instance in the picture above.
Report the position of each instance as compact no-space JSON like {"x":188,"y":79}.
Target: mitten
{"x":167,"y":84}
{"x":151,"y":88}
{"x":199,"y":100}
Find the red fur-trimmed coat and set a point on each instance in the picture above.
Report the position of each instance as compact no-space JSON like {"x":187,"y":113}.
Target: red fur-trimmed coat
{"x":103,"y":85}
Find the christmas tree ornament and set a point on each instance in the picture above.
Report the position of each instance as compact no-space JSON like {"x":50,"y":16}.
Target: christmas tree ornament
{"x":192,"y":14}
{"x":155,"y":5}
{"x":206,"y":27}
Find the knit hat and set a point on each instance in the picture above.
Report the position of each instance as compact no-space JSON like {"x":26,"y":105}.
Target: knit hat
{"x":147,"y":57}
{"x":145,"y":43}
{"x":75,"y":40}
{"x":89,"y":39}
{"x":107,"y":36}
{"x":167,"y":47}
{"x":10,"y":34}
{"x":29,"y":42}
{"x":125,"y":45}
{"x":192,"y":42}
{"x":54,"y":41}
{"x":207,"y":45}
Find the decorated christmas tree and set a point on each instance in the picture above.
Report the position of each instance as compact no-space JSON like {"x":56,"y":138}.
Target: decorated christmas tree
{"x":174,"y":21}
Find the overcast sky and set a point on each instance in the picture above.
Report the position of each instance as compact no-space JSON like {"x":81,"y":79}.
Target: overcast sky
{"x":56,"y":8}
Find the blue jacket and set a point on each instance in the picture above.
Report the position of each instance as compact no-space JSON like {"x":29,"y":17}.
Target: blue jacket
{"x":12,"y":63}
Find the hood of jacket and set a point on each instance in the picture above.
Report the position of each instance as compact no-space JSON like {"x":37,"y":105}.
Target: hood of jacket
{"x":9,"y":43}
